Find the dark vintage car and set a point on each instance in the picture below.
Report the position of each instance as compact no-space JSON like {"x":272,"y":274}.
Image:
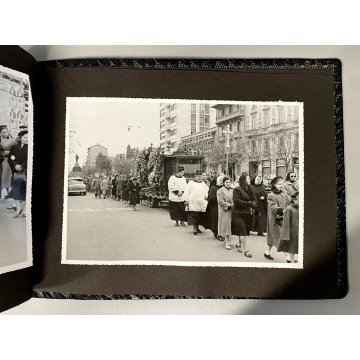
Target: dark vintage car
{"x":76,"y":186}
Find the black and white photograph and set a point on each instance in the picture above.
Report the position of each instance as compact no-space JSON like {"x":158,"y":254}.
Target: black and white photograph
{"x":183,"y":182}
{"x":16,"y":114}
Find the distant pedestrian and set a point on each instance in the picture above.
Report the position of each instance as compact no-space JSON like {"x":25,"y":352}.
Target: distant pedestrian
{"x":96,"y":186}
{"x":118,"y":184}
{"x":134,"y":192}
{"x":225,"y":205}
{"x":195,"y":197}
{"x":244,"y":206}
{"x":291,"y":186}
{"x":289,"y":240}
{"x":277,"y":202}
{"x":103,"y":187}
{"x":212,"y":208}
{"x":113,"y":187}
{"x":259,"y":220}
{"x":125,"y":191}
{"x":176,"y":186}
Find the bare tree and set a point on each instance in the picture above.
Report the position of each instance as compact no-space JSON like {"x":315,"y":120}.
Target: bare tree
{"x":217,"y":156}
{"x":286,"y":147}
{"x":255,"y":150}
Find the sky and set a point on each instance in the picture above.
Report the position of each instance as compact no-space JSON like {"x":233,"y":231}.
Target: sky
{"x":107,"y":123}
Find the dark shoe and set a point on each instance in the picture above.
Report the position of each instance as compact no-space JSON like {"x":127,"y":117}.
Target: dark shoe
{"x":199,"y":231}
{"x":288,"y":261}
{"x":183,"y":224}
{"x":176,"y":223}
{"x":261,"y":234}
{"x":220,"y":238}
{"x":239,"y":248}
{"x":269,"y":257}
{"x":248,"y":254}
{"x":195,"y":233}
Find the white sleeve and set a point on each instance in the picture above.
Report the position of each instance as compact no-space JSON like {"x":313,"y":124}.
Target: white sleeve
{"x":186,"y":194}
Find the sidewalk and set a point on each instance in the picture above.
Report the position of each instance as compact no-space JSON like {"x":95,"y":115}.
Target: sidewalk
{"x":12,"y":236}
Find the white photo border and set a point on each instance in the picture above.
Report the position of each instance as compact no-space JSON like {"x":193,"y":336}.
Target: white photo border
{"x":239,"y":264}
{"x":29,"y":244}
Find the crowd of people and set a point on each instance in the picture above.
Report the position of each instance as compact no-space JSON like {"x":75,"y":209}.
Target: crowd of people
{"x":118,"y":187}
{"x":230,"y":210}
{"x":13,"y":169}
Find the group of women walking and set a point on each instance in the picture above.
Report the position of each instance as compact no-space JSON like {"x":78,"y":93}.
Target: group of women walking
{"x":118,"y":187}
{"x":13,"y":168}
{"x":229,"y":210}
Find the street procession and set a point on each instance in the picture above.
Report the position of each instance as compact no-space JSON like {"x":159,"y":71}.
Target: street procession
{"x":232,"y":188}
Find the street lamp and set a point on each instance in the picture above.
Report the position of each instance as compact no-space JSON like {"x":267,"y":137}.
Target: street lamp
{"x":227,"y":132}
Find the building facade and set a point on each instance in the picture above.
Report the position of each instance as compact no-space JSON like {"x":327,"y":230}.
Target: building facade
{"x":264,"y":139}
{"x":14,"y":102}
{"x":93,"y":152}
{"x":201,"y":142}
{"x":178,"y":120}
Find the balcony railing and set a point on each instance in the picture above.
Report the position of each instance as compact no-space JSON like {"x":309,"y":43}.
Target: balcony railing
{"x":234,"y":114}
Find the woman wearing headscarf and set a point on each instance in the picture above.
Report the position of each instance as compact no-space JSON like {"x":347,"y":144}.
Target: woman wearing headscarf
{"x":241,"y":213}
{"x":212,"y":208}
{"x":195,"y":197}
{"x":277,"y":202}
{"x":289,"y":240}
{"x":225,"y":204}
{"x":211,"y":213}
{"x":259,"y":219}
{"x":176,"y":186}
{"x":18,"y":164}
{"x":6,"y":142}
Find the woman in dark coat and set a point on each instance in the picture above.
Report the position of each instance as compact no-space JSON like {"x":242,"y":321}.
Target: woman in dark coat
{"x":241,"y":213}
{"x":113,"y":187}
{"x":259,"y":220}
{"x":212,"y":208}
{"x":18,"y":163}
{"x":119,"y":186}
{"x":134,"y":192}
{"x":289,"y":240}
{"x":125,"y":191}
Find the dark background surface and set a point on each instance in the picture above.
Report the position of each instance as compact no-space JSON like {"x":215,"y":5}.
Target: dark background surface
{"x":315,"y":88}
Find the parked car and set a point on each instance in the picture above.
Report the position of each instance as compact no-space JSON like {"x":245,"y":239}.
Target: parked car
{"x":76,"y":186}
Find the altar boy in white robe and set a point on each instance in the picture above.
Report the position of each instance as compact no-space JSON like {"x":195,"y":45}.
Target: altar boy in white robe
{"x":177,"y":185}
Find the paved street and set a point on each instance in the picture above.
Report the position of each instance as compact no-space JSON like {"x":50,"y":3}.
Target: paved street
{"x":12,"y":236}
{"x":103,"y":229}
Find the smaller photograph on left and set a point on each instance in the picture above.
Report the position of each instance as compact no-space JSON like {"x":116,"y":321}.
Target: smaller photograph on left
{"x":16,"y":150}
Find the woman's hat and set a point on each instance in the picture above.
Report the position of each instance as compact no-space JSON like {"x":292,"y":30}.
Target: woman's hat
{"x":22,"y":133}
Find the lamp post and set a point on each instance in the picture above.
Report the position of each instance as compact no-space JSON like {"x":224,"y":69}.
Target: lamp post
{"x":227,"y":132}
